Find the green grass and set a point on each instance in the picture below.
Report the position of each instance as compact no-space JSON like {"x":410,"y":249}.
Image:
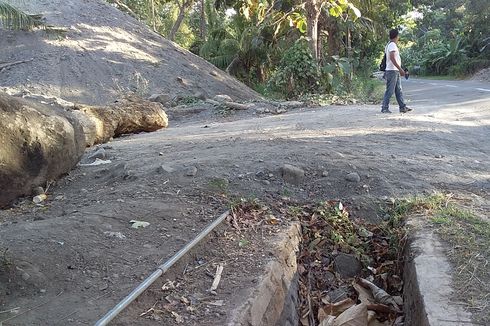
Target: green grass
{"x":468,"y":246}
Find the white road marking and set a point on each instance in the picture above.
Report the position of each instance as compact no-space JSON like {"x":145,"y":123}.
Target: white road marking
{"x":434,"y":84}
{"x":483,"y":89}
{"x":451,"y":86}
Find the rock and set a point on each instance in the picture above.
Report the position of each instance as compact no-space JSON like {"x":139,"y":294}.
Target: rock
{"x":99,"y":153}
{"x":118,"y":235}
{"x":347,"y":265}
{"x":165,"y":169}
{"x":164,"y":99}
{"x":262,"y":110}
{"x":37,"y":143}
{"x":292,"y":174}
{"x":130,"y":115}
{"x":200,"y":96}
{"x":237,"y":106}
{"x":117,"y":172}
{"x":337,"y":295}
{"x":184,"y":81}
{"x":213,"y":102}
{"x":292,"y":104}
{"x":325,"y":174}
{"x":37,"y":191}
{"x":191,"y":171}
{"x":353,"y":177}
{"x":222,"y":98}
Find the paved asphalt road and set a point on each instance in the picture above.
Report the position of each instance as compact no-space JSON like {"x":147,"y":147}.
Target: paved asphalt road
{"x":433,"y":93}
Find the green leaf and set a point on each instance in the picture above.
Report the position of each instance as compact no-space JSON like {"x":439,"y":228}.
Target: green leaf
{"x":14,"y":19}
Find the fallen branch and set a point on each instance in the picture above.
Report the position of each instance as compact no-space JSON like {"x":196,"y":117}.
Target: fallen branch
{"x":8,"y":64}
{"x":236,"y":106}
{"x":217,"y":278}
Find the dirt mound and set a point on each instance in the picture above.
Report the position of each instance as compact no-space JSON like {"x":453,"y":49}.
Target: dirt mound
{"x":100,"y":53}
{"x":482,"y":75}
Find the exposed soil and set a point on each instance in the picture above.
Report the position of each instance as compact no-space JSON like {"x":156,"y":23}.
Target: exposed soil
{"x":482,"y":75}
{"x":75,"y":269}
{"x":68,"y":260}
{"x":98,"y":53}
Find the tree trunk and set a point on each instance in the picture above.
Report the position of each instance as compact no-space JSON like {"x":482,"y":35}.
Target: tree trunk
{"x":313,"y":9}
{"x":349,"y":53}
{"x":153,"y":15}
{"x":202,"y":30}
{"x":180,"y":18}
{"x":333,"y":34}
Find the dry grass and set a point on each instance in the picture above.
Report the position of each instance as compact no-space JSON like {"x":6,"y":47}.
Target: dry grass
{"x":468,"y":240}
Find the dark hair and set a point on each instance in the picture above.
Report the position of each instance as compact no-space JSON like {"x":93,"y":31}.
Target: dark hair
{"x":393,"y":33}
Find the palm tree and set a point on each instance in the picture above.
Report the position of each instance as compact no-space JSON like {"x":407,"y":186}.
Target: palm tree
{"x":15,"y":19}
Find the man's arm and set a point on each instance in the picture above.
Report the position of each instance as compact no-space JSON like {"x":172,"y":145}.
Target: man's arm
{"x":392,"y":58}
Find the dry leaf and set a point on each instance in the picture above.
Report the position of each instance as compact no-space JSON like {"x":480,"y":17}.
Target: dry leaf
{"x":328,"y":321}
{"x":184,"y":300}
{"x":398,"y":321}
{"x":399,"y":300}
{"x":371,"y":315}
{"x":170,"y":285}
{"x":322,"y":315}
{"x":376,"y":322}
{"x":379,"y":294}
{"x":191,"y":309}
{"x":379,"y":307}
{"x":364,"y":295}
{"x":354,"y":316}
{"x":138,"y":224}
{"x":335,"y":309}
{"x":178,"y":318}
{"x":217,"y":303}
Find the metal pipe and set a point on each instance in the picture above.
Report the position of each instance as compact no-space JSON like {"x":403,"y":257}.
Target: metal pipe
{"x":160,"y":270}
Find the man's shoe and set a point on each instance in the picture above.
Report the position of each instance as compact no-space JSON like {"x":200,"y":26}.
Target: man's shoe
{"x":385,"y":111}
{"x":405,"y":110}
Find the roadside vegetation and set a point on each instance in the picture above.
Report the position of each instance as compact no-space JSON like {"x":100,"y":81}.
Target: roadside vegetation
{"x":325,"y":51}
{"x":468,"y":238}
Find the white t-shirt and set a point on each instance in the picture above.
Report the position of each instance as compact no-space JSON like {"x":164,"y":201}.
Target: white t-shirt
{"x":390,"y":48}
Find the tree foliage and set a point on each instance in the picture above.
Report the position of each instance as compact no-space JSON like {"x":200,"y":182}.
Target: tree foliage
{"x":14,"y":19}
{"x":449,"y":37}
{"x":260,"y":41}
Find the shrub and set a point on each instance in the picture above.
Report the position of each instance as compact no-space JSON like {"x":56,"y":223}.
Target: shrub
{"x":297,"y":73}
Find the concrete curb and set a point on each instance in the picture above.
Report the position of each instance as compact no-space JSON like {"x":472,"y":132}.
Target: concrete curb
{"x":427,"y":275}
{"x":274,"y":300}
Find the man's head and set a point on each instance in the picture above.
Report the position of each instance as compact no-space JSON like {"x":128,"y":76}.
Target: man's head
{"x":394,"y":35}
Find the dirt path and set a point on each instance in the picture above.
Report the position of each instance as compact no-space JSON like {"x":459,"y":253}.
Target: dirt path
{"x":66,"y":258}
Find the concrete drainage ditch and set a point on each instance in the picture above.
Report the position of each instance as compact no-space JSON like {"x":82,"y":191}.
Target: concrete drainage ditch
{"x":309,"y":277}
{"x":277,"y":299}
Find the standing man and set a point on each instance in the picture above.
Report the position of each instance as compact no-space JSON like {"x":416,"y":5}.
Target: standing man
{"x":393,"y":73}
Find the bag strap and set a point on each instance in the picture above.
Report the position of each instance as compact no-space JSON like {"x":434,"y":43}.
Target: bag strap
{"x":386,"y":47}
